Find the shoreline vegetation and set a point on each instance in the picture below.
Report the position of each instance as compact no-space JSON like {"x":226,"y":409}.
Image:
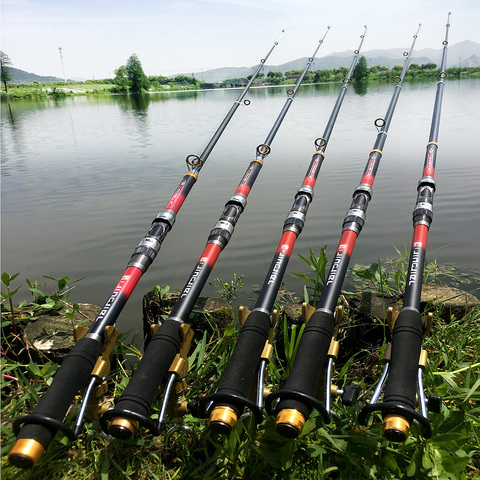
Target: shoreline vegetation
{"x":341,"y":450}
{"x":159,"y":84}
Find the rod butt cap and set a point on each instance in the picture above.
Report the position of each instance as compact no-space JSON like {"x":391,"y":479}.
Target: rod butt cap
{"x":222,"y":420}
{"x":123,"y":428}
{"x":25,"y":453}
{"x":396,"y":428}
{"x":289,"y":423}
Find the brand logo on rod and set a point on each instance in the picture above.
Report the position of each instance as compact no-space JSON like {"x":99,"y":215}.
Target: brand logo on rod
{"x":415,"y":263}
{"x":336,"y":263}
{"x":276,"y":268}
{"x":176,"y":194}
{"x":194,"y":277}
{"x":120,"y":285}
{"x":312,"y":171}
{"x":247,"y":175}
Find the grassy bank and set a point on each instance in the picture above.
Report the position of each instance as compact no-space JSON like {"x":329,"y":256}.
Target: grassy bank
{"x":37,"y":90}
{"x":340,"y":450}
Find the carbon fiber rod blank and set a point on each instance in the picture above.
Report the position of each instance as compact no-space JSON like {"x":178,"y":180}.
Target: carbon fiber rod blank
{"x":407,"y":359}
{"x":36,"y":431}
{"x":226,"y":405}
{"x":133,"y":407}
{"x":293,"y":403}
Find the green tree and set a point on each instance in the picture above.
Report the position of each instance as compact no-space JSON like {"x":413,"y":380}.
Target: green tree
{"x":274,"y":74}
{"x":429,"y":66}
{"x":138,"y":79}
{"x":121,"y":78}
{"x":5,"y":64}
{"x":360,"y":72}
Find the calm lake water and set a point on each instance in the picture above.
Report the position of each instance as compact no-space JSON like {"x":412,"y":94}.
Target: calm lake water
{"x":83,"y":177}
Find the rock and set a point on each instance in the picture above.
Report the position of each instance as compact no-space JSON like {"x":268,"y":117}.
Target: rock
{"x":51,"y":336}
{"x":455,"y":302}
{"x":293,"y":311}
{"x":156,"y":309}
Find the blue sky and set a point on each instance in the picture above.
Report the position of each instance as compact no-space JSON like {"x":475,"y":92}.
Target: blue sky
{"x":174,"y":36}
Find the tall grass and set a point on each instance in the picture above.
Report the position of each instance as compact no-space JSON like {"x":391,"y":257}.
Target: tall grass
{"x":339,"y":450}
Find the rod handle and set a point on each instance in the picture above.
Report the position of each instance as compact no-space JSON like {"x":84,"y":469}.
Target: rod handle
{"x":240,"y":372}
{"x":401,"y":385}
{"x":140,"y":393}
{"x":35,"y":436}
{"x":305,"y":375}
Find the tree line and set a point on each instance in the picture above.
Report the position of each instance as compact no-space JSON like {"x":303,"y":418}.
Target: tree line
{"x":131,"y":77}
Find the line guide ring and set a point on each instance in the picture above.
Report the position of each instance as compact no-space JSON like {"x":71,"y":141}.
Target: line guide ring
{"x":379,"y":122}
{"x":320,"y":142}
{"x":194,"y":161}
{"x":246,"y":102}
{"x":290,"y":92}
{"x":263,"y":149}
{"x":397,"y":79}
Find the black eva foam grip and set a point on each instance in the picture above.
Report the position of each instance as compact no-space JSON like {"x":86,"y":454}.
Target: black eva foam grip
{"x":143,"y":386}
{"x":241,"y":369}
{"x":310,"y":360}
{"x":72,"y":375}
{"x":401,"y":386}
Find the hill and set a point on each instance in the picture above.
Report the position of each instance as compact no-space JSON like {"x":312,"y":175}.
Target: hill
{"x":21,"y":76}
{"x":466,"y":52}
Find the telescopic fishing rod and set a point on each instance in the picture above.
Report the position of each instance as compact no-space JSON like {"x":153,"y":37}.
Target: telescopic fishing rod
{"x":132,"y":408}
{"x":293,"y":403}
{"x":406,"y":361}
{"x":36,"y":431}
{"x":226,"y":405}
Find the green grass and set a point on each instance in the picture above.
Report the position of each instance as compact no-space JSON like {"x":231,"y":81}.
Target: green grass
{"x":341,"y":450}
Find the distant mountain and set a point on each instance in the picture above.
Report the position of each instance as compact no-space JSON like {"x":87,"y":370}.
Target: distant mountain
{"x":21,"y":76}
{"x":467,"y":53}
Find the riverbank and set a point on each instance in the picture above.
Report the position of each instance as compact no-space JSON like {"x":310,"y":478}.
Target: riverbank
{"x":342,"y":449}
{"x":37,"y":90}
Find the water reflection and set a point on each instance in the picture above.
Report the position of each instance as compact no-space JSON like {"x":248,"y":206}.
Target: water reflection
{"x":360,"y":88}
{"x":94,"y":170}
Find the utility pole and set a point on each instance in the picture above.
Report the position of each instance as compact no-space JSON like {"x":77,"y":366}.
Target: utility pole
{"x":61,"y":59}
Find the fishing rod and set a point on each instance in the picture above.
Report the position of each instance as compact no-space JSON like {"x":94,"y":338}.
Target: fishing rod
{"x":295,"y":400}
{"x":132,"y":408}
{"x":36,"y":431}
{"x":406,"y":359}
{"x":226,"y":405}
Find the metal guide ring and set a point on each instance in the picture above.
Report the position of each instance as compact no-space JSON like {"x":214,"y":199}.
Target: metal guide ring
{"x":405,"y":54}
{"x":290,"y":92}
{"x":447,"y":25}
{"x":194,"y":161}
{"x":379,"y":122}
{"x":320,"y":142}
{"x":445,"y":42}
{"x":356,"y":52}
{"x":414,"y":36}
{"x":346,"y":80}
{"x":442,"y":74}
{"x":263,"y":149}
{"x":310,"y":59}
{"x":396,"y":79}
{"x":246,"y":102}
{"x":262,"y":60}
